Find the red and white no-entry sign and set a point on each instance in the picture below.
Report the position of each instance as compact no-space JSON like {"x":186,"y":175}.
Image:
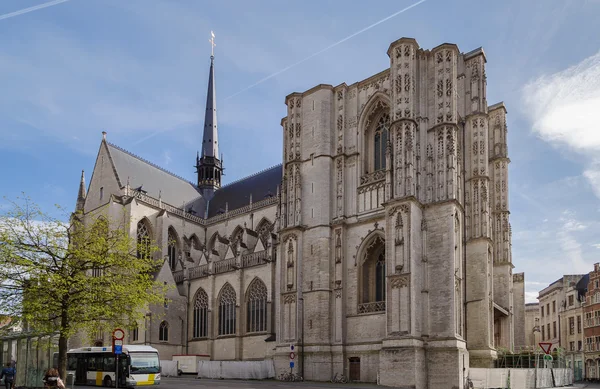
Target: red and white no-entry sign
{"x":118,"y":334}
{"x":292,"y":355}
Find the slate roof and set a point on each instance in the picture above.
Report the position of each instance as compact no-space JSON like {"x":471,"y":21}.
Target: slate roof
{"x":237,"y":194}
{"x":174,"y":190}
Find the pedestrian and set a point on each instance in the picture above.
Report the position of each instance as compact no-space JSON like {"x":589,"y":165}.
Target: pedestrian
{"x":52,"y":380}
{"x":8,"y":373}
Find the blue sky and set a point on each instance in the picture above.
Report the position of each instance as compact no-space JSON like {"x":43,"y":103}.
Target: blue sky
{"x":138,"y":68}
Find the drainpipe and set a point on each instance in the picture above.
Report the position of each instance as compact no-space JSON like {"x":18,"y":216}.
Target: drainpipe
{"x":302,"y":339}
{"x":464,"y":229}
{"x":187,"y":320}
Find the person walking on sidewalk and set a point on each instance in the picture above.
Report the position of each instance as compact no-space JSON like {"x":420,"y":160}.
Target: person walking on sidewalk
{"x":8,"y":373}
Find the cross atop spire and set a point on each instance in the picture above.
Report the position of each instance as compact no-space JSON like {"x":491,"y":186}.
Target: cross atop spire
{"x":212,"y":44}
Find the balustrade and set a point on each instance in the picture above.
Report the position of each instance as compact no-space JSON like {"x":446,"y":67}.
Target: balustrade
{"x":378,"y":306}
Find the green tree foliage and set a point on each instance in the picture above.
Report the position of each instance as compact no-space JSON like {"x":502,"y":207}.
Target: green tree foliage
{"x":88,"y":274}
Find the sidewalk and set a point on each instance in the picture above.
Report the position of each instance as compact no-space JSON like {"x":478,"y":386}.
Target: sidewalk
{"x":583,"y":384}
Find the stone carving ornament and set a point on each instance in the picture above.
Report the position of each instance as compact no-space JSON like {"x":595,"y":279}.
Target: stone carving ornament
{"x":400,"y":281}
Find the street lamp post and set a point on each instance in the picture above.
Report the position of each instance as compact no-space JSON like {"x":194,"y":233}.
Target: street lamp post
{"x":535,"y":329}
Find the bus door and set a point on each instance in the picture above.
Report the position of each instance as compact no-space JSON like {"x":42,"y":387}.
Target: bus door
{"x":123,"y":369}
{"x":81,"y":372}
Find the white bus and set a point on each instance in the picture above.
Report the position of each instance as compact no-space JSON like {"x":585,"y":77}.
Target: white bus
{"x":138,"y":365}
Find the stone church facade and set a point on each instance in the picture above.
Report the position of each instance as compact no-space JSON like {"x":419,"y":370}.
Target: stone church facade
{"x":380,"y":247}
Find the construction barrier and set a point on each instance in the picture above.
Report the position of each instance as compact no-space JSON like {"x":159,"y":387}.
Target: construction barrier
{"x":169,"y":368}
{"x":245,"y":370}
{"x":520,"y":378}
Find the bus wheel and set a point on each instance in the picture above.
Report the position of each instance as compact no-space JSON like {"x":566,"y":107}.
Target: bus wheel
{"x":108,"y":382}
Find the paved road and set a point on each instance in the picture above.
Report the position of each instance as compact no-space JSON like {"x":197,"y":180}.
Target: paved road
{"x":190,"y":382}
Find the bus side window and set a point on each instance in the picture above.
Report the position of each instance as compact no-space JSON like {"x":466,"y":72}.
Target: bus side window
{"x":72,"y":362}
{"x":99,"y":363}
{"x":91,"y":363}
{"x":109,"y":364}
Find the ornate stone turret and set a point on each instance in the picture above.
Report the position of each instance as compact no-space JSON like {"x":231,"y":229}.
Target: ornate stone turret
{"x":208,"y":166}
{"x":81,"y":194}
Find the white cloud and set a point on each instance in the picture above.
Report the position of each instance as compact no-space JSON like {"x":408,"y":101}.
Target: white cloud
{"x":167,"y":157}
{"x":563,"y":108}
{"x":570,"y":223}
{"x":569,"y":243}
{"x":531,"y":297}
{"x":565,"y":244}
{"x":593,"y":175}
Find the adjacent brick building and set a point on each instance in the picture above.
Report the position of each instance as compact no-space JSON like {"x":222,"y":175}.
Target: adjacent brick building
{"x":571,"y":329}
{"x":551,"y":299}
{"x":591,"y":321}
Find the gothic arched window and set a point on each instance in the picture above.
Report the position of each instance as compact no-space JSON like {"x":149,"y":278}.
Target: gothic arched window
{"x":236,"y":240}
{"x":172,"y":248}
{"x":212,"y":243}
{"x":200,"y":329}
{"x":100,"y":228}
{"x":257,"y":307}
{"x":380,"y":277}
{"x":227,"y":301}
{"x":135,"y":332}
{"x":143,"y":240}
{"x":264,"y":229}
{"x":372,"y":277}
{"x":163,"y":331}
{"x":380,"y":141}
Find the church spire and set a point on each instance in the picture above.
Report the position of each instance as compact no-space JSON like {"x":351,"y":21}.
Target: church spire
{"x":210,"y":146}
{"x":208,"y":166}
{"x":81,"y":194}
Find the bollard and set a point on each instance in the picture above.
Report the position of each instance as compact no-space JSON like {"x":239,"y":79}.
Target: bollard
{"x":70,"y":380}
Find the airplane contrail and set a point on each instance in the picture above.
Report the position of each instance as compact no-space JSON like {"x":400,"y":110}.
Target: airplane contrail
{"x":326,"y":48}
{"x":31,"y":9}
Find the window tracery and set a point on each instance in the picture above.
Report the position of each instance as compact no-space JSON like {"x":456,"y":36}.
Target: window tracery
{"x":143,"y":240}
{"x":163,"y":332}
{"x":172,"y":248}
{"x":257,"y":307}
{"x":380,"y":138}
{"x":200,"y":319}
{"x":264,"y":229}
{"x":373,"y":277}
{"x":227,"y":302}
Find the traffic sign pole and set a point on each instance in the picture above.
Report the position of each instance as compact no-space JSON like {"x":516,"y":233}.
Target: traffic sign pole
{"x":292,"y":356}
{"x":117,"y":342}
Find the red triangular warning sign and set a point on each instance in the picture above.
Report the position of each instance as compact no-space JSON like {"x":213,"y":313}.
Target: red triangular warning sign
{"x":546,"y":347}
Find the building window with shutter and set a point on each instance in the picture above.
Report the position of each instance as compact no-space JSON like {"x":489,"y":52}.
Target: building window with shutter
{"x":543,"y":333}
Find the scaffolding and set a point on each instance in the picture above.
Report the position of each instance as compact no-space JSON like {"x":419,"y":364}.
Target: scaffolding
{"x":528,"y":357}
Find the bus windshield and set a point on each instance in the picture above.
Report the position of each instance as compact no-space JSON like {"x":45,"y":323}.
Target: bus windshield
{"x":144,"y":363}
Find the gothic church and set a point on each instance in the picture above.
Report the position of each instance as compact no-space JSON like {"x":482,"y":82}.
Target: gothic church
{"x":380,"y":247}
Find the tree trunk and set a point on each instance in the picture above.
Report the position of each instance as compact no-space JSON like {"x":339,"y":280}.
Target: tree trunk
{"x":62,"y":357}
{"x":63,"y":341}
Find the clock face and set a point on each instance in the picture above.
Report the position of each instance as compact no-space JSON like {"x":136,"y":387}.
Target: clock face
{"x":119,"y":334}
